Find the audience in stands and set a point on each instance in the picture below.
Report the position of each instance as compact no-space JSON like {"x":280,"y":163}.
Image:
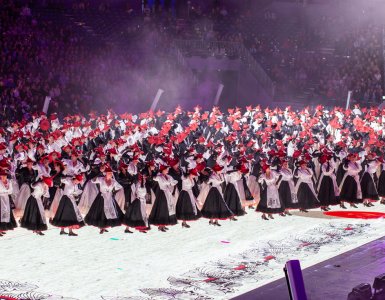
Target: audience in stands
{"x":39,"y":58}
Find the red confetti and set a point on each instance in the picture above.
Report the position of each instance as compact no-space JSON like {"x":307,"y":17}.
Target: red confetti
{"x":240,"y":267}
{"x":210,"y":279}
{"x":269,"y":257}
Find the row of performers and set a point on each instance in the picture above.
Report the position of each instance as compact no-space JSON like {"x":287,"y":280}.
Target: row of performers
{"x":160,"y":200}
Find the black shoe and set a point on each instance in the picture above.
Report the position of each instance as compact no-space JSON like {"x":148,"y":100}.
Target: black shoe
{"x":217,"y":224}
{"x":101,"y":231}
{"x":127,"y":231}
{"x":162,"y":229}
{"x":328,"y":208}
{"x":185,"y":225}
{"x":233,"y":219}
{"x":353,"y":205}
{"x":304,"y":210}
{"x":371,"y":204}
{"x":264,"y":218}
{"x":3,"y":232}
{"x":105,"y":230}
{"x":143,"y":231}
{"x":40,"y":233}
{"x":63,"y":232}
{"x":324,"y":209}
{"x":72,"y":234}
{"x":271,"y":217}
{"x":165,"y":228}
{"x":343,"y":206}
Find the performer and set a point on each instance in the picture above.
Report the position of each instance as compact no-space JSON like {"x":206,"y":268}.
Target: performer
{"x":307,"y":196}
{"x":381,"y":181}
{"x":369,"y":180}
{"x":104,"y":211}
{"x":350,"y":185}
{"x":34,"y":215}
{"x":26,"y":176}
{"x":136,"y":215}
{"x":126,"y":180}
{"x":286,"y":188}
{"x":328,"y":191}
{"x":214,"y":206}
{"x":7,"y":220}
{"x":270,"y":202}
{"x":232,"y":193}
{"x":186,"y":206}
{"x":253,"y":185}
{"x":163,"y":211}
{"x":67,"y":214}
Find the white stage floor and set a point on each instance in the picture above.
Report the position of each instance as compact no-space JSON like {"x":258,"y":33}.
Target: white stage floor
{"x":203,"y":262}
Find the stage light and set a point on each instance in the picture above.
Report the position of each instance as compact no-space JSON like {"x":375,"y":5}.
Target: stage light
{"x":379,"y":287}
{"x":362,"y":291}
{"x":294,"y":280}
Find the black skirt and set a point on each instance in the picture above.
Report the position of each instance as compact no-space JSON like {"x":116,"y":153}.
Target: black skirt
{"x":340,"y":173}
{"x":215,"y":207}
{"x":97,"y":217}
{"x":184,"y":208}
{"x":127,"y":195}
{"x":368,"y":187}
{"x":248,"y":195}
{"x":326,"y":194}
{"x":285,"y":196}
{"x":262,"y":205}
{"x":133,"y":216}
{"x":159,"y":215}
{"x":381,"y":184}
{"x":349,"y":190}
{"x":32,"y":220}
{"x":306,"y":198}
{"x":4,"y":226}
{"x":232,"y":200}
{"x":65,"y":215}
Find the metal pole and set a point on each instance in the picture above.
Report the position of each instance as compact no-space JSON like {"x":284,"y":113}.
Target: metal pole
{"x":348,"y":100}
{"x":156,"y":99}
{"x":219,"y":92}
{"x":47,"y":101}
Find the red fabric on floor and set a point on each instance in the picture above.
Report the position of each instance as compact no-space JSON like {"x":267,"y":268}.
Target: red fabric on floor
{"x":355,"y":214}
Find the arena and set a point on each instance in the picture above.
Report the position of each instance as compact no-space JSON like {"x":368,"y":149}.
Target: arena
{"x":169,"y":149}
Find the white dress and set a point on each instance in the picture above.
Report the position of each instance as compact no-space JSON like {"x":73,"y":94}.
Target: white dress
{"x":7,"y":220}
{"x":104,"y":211}
{"x":163,"y":211}
{"x":34,"y":215}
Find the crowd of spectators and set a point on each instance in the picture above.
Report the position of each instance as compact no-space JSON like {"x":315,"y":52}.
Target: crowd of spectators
{"x":40,"y":58}
{"x":290,"y":51}
{"x":359,"y":67}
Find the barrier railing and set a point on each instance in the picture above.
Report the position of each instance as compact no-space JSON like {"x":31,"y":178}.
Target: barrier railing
{"x":214,"y":48}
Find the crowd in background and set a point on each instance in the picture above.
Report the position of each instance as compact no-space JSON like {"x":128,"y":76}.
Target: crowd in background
{"x":40,"y":58}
